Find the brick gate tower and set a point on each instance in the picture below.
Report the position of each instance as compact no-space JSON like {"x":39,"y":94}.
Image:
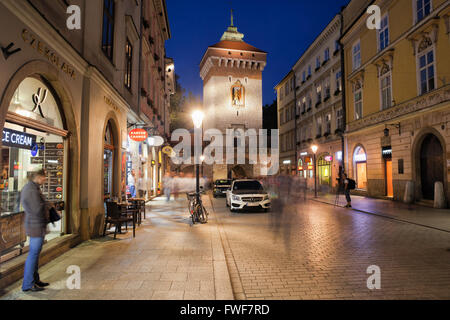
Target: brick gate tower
{"x":231,"y":71}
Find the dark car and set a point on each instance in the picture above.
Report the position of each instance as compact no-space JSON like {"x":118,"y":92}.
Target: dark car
{"x":220,"y":187}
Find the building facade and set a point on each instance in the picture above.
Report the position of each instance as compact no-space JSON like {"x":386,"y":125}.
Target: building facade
{"x":312,"y":113}
{"x":286,"y":123}
{"x":68,"y":100}
{"x":231,"y":71}
{"x":398,"y":108}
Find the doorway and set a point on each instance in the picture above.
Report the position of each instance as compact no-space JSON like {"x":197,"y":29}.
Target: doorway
{"x":431,"y":165}
{"x":389,"y":182}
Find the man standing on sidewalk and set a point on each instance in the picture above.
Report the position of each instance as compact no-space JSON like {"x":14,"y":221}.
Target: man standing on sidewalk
{"x":347,"y":191}
{"x":36,"y":220}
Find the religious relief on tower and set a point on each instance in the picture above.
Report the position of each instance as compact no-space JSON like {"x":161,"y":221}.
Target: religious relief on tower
{"x":238,"y":95}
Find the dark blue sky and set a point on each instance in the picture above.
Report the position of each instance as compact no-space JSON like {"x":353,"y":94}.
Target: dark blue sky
{"x":283,"y":28}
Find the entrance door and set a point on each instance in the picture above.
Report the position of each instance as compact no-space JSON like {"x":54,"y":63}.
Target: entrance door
{"x":389,"y":184}
{"x":431,"y":165}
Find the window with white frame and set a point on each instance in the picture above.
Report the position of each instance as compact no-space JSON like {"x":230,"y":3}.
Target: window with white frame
{"x":386,"y":87}
{"x":356,"y":53}
{"x":318,"y":126}
{"x":340,"y":119}
{"x":327,"y":54}
{"x":426,"y":67}
{"x":383,"y":33}
{"x":423,"y":9}
{"x":338,"y":81}
{"x":328,"y":123}
{"x":319,"y":94}
{"x":327,"y":88}
{"x":358,"y":100}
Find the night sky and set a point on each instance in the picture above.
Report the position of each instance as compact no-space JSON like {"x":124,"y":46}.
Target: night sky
{"x":283,"y":28}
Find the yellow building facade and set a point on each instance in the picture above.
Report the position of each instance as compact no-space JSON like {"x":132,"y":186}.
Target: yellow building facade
{"x":397,"y":141}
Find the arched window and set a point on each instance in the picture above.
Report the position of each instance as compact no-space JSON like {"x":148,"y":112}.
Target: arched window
{"x":360,"y":167}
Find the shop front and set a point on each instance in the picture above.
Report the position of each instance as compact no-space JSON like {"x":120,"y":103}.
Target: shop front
{"x":360,"y":167}
{"x":324,"y":170}
{"x":34,"y":137}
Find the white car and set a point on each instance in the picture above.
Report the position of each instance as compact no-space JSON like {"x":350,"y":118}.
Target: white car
{"x":247,"y":194}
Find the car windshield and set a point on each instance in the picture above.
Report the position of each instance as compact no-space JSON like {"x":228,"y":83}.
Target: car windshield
{"x":247,"y":185}
{"x":223,"y":182}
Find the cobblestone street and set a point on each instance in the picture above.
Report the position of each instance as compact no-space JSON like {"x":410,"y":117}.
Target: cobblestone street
{"x":323,"y":252}
{"x":315,"y":251}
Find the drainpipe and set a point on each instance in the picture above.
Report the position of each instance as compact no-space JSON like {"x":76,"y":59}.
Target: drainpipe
{"x":140,"y":74}
{"x":344,"y":101}
{"x":295,"y":119}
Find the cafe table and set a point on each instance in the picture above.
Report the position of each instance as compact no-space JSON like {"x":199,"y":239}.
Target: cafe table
{"x":140,"y":202}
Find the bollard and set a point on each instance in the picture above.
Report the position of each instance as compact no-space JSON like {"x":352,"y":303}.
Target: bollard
{"x":439,"y":196}
{"x":409,"y":193}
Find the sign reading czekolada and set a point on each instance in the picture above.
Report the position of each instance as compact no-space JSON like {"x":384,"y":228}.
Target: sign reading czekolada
{"x":138,"y":135}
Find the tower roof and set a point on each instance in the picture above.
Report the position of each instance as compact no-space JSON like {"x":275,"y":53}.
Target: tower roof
{"x":232,"y":39}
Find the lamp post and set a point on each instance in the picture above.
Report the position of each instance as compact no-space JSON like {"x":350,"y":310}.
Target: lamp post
{"x":197,"y":118}
{"x":314,"y":150}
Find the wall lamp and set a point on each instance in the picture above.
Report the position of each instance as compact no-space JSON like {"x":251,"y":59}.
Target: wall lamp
{"x":395,"y":125}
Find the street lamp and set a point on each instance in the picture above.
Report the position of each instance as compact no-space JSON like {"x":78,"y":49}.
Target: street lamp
{"x":197,"y":118}
{"x":314,"y":149}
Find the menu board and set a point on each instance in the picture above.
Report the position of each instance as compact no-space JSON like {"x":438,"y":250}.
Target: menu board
{"x":51,"y":156}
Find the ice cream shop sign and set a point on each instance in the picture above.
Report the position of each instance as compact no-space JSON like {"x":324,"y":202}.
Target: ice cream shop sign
{"x":138,"y":135}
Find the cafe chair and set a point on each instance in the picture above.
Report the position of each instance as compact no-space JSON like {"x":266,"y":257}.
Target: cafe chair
{"x":115,"y":217}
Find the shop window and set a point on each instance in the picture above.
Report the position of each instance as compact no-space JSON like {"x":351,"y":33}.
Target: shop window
{"x":26,"y":150}
{"x":324,"y":170}
{"x":360,"y":165}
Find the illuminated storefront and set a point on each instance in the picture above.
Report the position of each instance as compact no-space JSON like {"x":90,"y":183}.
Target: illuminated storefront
{"x":324,"y":169}
{"x":33,"y":138}
{"x":360,"y":165}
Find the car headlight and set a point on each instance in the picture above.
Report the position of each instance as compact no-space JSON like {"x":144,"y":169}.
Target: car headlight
{"x":266,"y":197}
{"x":236,"y":198}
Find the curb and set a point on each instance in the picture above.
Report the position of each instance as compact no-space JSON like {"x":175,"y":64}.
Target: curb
{"x":382,"y":216}
{"x":222,"y":282}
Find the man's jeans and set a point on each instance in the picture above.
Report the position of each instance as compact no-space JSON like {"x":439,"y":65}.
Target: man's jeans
{"x":31,"y":274}
{"x":347,"y":195}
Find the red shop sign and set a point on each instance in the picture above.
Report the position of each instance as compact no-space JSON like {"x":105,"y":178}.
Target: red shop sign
{"x":138,"y":135}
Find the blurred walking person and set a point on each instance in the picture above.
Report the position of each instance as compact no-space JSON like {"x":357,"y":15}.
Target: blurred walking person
{"x":167,"y":185}
{"x":36,"y":219}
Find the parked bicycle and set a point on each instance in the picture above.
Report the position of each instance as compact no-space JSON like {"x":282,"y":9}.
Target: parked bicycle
{"x":196,"y":208}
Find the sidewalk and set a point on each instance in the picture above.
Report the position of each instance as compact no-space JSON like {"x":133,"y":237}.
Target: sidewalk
{"x":169,"y":259}
{"x":424,"y":216}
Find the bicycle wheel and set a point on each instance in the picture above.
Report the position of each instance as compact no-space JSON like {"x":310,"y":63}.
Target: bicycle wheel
{"x":201,"y":213}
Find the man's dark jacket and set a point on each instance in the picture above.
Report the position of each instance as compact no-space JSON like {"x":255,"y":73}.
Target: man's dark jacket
{"x":36,"y":210}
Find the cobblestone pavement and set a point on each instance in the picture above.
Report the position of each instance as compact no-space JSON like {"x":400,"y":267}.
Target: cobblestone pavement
{"x":169,"y":259}
{"x":322,"y":252}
